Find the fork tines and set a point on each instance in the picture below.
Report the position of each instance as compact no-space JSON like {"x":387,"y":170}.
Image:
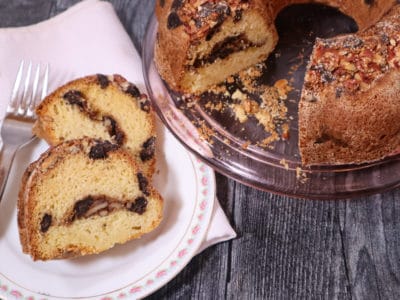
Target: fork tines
{"x":23,"y":100}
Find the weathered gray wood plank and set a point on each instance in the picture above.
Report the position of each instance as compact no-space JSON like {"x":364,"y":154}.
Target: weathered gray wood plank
{"x":371,"y":230}
{"x":287,"y":249}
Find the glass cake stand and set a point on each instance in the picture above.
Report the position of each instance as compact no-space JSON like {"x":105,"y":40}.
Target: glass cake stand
{"x":276,"y":169}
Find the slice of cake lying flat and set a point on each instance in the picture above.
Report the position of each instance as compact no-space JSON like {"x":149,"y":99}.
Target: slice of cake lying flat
{"x":83,"y":197}
{"x":103,"y":107}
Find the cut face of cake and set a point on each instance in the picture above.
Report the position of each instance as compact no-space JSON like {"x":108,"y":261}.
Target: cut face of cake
{"x":102,"y":107}
{"x":83,"y":197}
{"x":218,"y":39}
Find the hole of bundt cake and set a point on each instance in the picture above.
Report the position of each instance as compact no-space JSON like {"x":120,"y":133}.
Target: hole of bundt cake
{"x":298,"y":26}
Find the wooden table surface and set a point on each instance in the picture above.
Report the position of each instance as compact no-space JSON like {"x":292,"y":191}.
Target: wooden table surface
{"x":286,"y":248}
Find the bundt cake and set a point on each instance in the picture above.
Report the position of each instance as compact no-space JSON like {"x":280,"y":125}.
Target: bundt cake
{"x":349,"y":111}
{"x":349,"y":106}
{"x":83,"y":197}
{"x":200,"y":43}
{"x":102,"y":107}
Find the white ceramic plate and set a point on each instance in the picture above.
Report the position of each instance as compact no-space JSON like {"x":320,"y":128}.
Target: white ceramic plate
{"x":128,"y":271}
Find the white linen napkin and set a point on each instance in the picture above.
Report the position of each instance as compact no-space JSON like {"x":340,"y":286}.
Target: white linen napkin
{"x":86,"y":39}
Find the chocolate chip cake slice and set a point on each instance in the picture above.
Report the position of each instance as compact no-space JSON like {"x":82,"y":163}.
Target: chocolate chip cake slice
{"x":83,"y":197}
{"x":103,"y":107}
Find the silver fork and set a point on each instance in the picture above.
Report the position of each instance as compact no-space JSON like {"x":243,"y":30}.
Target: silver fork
{"x":16,"y":130}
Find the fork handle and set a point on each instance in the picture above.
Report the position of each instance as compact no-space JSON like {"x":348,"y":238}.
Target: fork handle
{"x":7,"y":157}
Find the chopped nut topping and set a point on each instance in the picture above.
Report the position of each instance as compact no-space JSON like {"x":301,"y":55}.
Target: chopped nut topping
{"x":203,"y":17}
{"x":354,"y":62}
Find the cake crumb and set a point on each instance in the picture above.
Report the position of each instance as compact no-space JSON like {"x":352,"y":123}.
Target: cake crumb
{"x":301,"y":176}
{"x":284,"y":163}
{"x":283,"y":88}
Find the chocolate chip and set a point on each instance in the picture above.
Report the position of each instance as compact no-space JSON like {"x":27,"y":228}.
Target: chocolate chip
{"x":45,"y":223}
{"x":149,"y":148}
{"x":100,"y":150}
{"x":132,"y":90}
{"x":223,"y":49}
{"x":369,"y":2}
{"x":143,"y":183}
{"x":119,"y":137}
{"x":82,"y":206}
{"x":139,"y":206}
{"x":238,"y":15}
{"x":75,"y":97}
{"x":113,"y":130}
{"x":103,"y":81}
{"x":173,"y":21}
{"x":162,"y":3}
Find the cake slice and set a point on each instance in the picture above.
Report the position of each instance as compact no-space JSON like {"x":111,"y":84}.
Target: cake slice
{"x":102,"y":107}
{"x":83,"y":197}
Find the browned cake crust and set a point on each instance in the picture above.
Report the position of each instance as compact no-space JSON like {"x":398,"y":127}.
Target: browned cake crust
{"x":191,"y":36}
{"x":21,"y":208}
{"x":349,"y":111}
{"x":83,"y":197}
{"x":103,"y":107}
